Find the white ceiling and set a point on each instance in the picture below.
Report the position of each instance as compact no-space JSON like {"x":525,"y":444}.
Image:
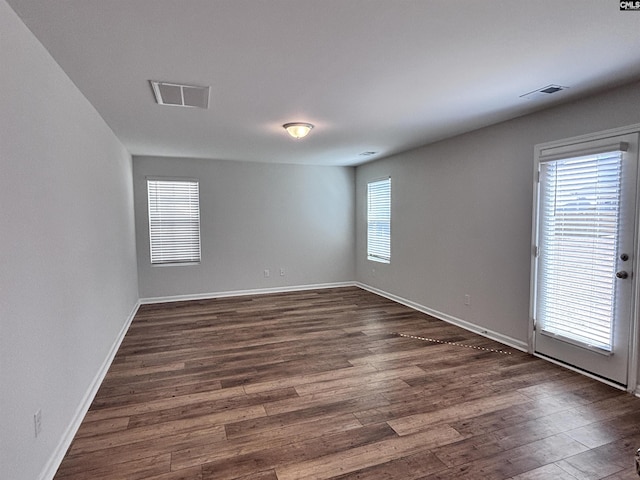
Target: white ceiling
{"x":371,"y":75}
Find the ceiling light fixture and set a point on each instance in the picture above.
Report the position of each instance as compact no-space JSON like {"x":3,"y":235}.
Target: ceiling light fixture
{"x":298,"y":130}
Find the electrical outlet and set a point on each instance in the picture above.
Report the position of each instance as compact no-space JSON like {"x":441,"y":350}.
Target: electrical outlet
{"x":282,"y":271}
{"x":37,"y":422}
{"x":267,"y":273}
{"x":467,"y":299}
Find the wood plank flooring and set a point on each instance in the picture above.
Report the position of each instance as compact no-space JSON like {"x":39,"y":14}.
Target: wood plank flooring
{"x":321,"y":385}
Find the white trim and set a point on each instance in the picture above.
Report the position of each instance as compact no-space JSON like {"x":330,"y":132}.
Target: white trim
{"x":50,"y":469}
{"x":498,"y":337}
{"x":580,"y":371}
{"x":613,"y":132}
{"x":572,"y":151}
{"x":170,"y":178}
{"x":632,"y":372}
{"x":239,"y":293}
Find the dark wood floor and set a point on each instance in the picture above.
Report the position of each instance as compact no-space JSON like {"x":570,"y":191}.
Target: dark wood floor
{"x":321,"y":385}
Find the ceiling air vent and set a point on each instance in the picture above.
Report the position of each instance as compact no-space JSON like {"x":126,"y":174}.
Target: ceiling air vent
{"x":180,"y":95}
{"x":543,"y":92}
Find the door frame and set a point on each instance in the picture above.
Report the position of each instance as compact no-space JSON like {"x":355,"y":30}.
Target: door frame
{"x":634,"y":341}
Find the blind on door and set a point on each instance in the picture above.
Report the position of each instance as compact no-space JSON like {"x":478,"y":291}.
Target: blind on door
{"x":578,"y":235}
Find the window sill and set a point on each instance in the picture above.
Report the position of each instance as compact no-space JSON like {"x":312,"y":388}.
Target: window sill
{"x":176,"y":264}
{"x":378,"y":260}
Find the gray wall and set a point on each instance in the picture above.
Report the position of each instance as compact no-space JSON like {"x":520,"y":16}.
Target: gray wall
{"x":68,"y":280}
{"x":69,"y":283}
{"x":254,"y":216}
{"x":461,"y":213}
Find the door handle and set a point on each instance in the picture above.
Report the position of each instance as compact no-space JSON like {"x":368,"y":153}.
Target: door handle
{"x":622,"y":274}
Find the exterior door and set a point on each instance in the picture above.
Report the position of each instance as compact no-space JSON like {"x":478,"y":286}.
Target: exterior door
{"x":584,"y":254}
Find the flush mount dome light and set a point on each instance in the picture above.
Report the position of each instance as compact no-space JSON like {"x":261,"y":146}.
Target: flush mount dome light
{"x":298,"y":130}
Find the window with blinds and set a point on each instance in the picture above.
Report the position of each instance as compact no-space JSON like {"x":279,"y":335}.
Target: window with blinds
{"x":379,"y":220}
{"x":174,"y":221}
{"x":578,"y":236}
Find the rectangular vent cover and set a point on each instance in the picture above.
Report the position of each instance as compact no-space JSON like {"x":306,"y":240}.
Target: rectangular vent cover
{"x":543,"y":92}
{"x":180,"y":95}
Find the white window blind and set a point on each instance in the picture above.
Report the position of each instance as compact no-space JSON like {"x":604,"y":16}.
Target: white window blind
{"x":579,"y":214}
{"x":379,"y":220}
{"x":174,"y":221}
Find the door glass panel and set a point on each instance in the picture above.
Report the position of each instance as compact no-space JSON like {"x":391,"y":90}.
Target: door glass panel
{"x":579,"y":211}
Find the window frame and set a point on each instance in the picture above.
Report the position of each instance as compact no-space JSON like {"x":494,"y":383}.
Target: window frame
{"x":190,"y":247}
{"x":379,"y":244}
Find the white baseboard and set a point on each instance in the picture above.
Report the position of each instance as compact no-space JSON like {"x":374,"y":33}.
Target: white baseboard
{"x":498,"y":337}
{"x":55,"y":460}
{"x":239,"y":293}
